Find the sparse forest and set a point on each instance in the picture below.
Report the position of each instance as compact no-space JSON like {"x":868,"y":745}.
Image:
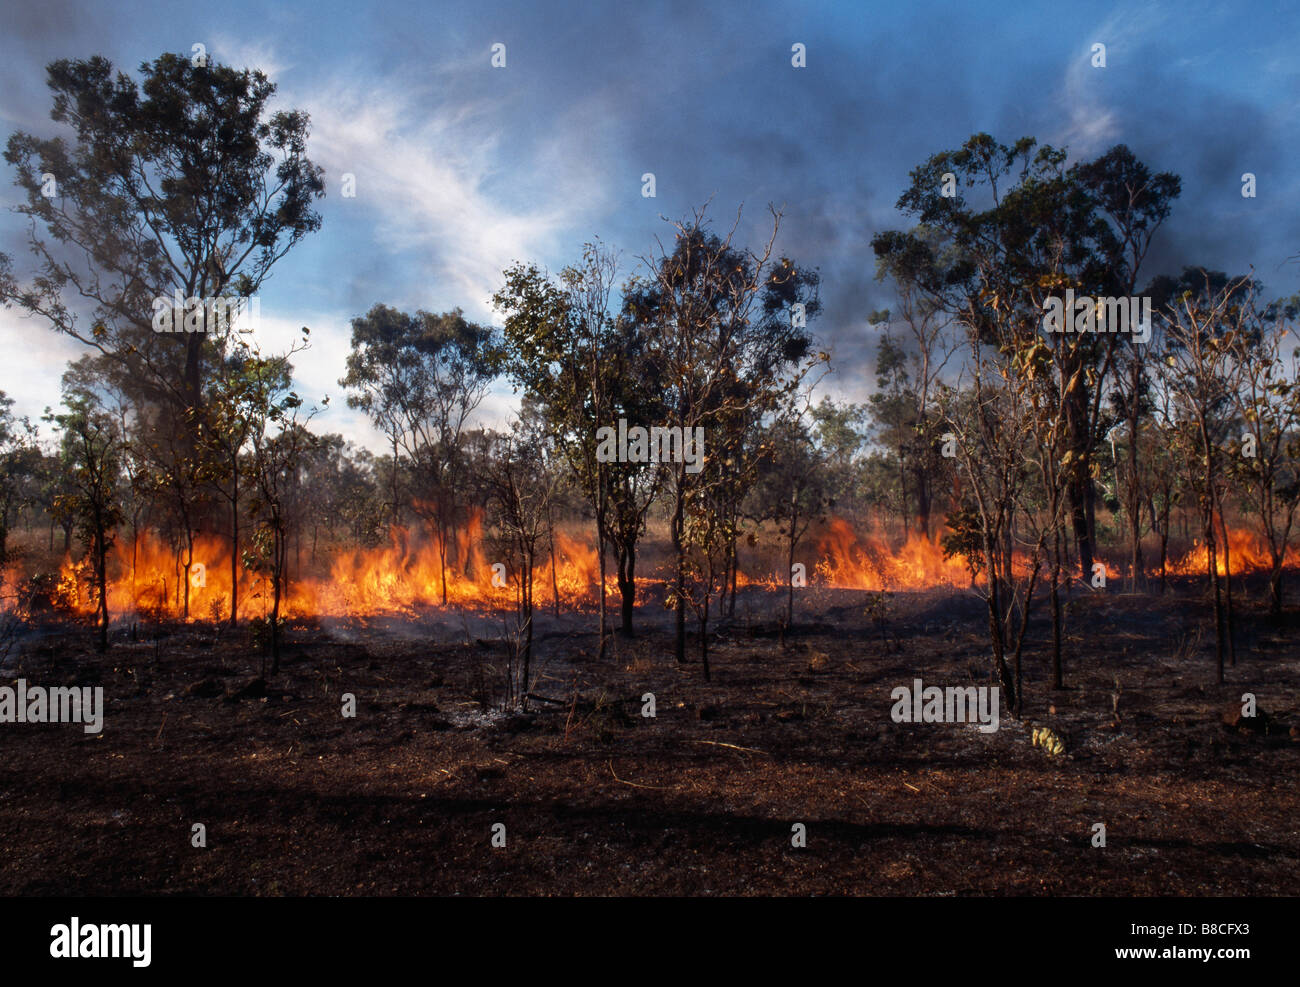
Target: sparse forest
{"x":1097,"y":519}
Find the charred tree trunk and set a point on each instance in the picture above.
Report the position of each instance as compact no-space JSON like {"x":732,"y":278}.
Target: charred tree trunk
{"x":789,"y":568}
{"x":1227,"y":586}
{"x":679,"y":551}
{"x":602,"y":510}
{"x":704,"y":636}
{"x":234,"y":551}
{"x":1058,"y":675}
{"x":626,"y":588}
{"x":550,"y":541}
{"x":101,"y":580}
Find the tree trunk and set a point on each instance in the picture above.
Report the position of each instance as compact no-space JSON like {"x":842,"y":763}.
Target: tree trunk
{"x":1058,"y":676}
{"x":101,"y":579}
{"x":441,"y":529}
{"x":189,"y":565}
{"x":1227,"y":584}
{"x":234,"y":554}
{"x":627,"y":587}
{"x":704,"y":636}
{"x":528,"y":631}
{"x":1212,"y":565}
{"x":679,"y":550}
{"x":923,"y":506}
{"x":789,"y":604}
{"x":555,"y":579}
{"x":281,"y":548}
{"x":601,"y":508}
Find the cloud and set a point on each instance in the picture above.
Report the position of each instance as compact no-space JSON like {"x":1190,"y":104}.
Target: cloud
{"x":452,"y":197}
{"x":35,"y":361}
{"x":241,"y":54}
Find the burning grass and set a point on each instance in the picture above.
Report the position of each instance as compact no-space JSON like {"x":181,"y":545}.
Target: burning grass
{"x":406,"y":575}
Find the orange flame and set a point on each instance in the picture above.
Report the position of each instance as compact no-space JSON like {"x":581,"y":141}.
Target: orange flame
{"x":406,"y":575}
{"x":853,"y":561}
{"x":396,"y":579}
{"x":1246,"y":552}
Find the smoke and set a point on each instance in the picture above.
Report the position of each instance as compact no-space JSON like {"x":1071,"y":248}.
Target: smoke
{"x":462,"y":167}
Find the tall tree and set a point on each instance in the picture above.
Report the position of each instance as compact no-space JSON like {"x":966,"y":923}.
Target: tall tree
{"x":1020,"y":227}
{"x":1267,"y":401}
{"x":181,"y":184}
{"x":586,"y":364}
{"x":279,"y":443}
{"x":731,"y":354}
{"x":419,"y":378}
{"x":1203,"y":321}
{"x":91,"y":450}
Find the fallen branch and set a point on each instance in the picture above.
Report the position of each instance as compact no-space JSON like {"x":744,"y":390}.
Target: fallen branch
{"x":548,"y":699}
{"x":734,"y":747}
{"x":657,"y":788}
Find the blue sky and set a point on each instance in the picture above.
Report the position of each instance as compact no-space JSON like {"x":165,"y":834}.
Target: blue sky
{"x":462,"y":168}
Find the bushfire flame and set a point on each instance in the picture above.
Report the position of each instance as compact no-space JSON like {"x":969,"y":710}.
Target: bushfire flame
{"x":1246,"y":553}
{"x":407,"y":574}
{"x":399,"y":578}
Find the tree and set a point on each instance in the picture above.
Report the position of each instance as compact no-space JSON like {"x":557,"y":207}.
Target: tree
{"x":730,"y":355}
{"x":19,"y":465}
{"x":178,"y":185}
{"x":931,"y":348}
{"x":1005,"y":427}
{"x":1203,"y":322}
{"x":893,"y":408}
{"x":791,"y":490}
{"x":279,"y":442}
{"x":521,"y":488}
{"x":224,"y":435}
{"x":91,"y":448}
{"x":419,"y":378}
{"x":1267,"y":401}
{"x":586,"y":365}
{"x":838,"y":435}
{"x":1026,"y":228}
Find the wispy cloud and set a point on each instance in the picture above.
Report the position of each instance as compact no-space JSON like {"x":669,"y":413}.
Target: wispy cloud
{"x":1090,"y":123}
{"x":445,"y":186}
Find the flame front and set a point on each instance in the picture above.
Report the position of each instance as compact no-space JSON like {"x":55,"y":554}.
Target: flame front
{"x":852,"y":561}
{"x":1246,"y":553}
{"x":399,"y":578}
{"x":407,"y":574}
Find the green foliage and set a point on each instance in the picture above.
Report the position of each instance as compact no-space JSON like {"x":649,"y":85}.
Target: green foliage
{"x":965,"y":538}
{"x":183,"y":181}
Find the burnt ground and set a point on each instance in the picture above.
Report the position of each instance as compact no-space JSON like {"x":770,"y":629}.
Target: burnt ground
{"x":597,"y":799}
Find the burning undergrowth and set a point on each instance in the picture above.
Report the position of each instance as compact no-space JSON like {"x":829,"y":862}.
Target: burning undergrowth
{"x":410,"y":576}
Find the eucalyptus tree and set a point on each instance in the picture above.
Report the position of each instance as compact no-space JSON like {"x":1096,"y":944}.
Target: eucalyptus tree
{"x":180,"y":185}
{"x":727,"y":332}
{"x":90,"y":452}
{"x":420,"y":378}
{"x":1002,"y":229}
{"x":583,"y":359}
